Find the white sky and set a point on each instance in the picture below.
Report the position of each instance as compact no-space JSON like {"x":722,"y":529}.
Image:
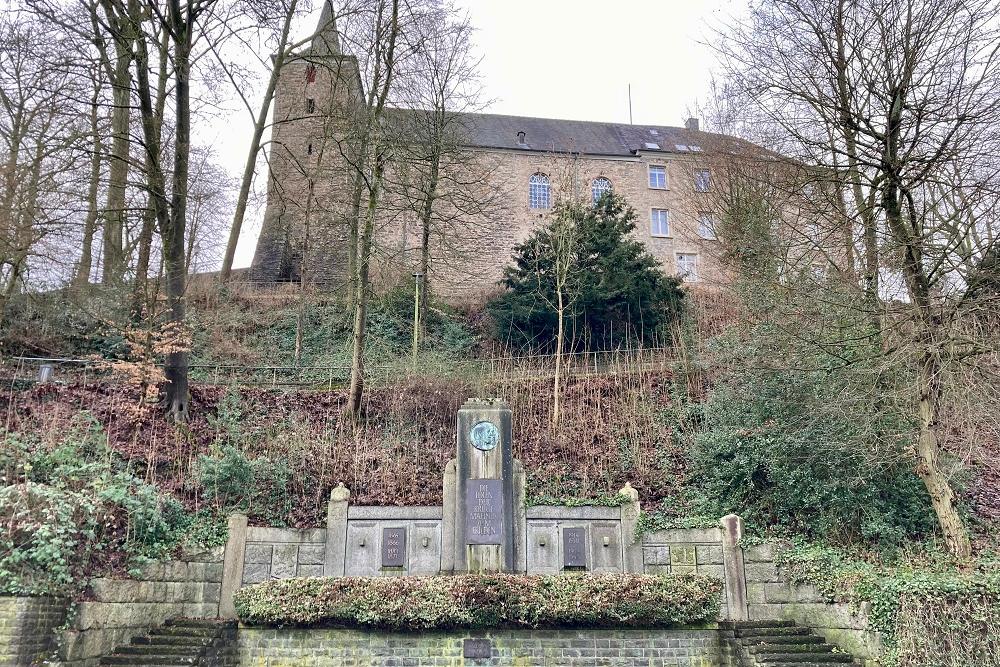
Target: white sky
{"x":570,"y":59}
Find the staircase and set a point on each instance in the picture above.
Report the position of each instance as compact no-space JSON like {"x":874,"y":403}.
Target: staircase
{"x":779,"y":644}
{"x":179,"y":642}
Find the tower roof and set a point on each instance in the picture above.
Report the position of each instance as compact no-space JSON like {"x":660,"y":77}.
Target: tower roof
{"x":326,"y":41}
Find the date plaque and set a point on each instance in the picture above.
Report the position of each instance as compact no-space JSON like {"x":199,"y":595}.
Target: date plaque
{"x":574,"y":547}
{"x":393,"y":547}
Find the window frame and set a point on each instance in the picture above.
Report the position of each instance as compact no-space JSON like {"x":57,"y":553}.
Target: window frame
{"x":650,"y":168}
{"x":532,"y":184}
{"x":311,"y":73}
{"x":692,"y":276}
{"x":310,"y":105}
{"x":707,"y":183}
{"x":712,"y":235}
{"x":594,"y":196}
{"x":653,"y":222}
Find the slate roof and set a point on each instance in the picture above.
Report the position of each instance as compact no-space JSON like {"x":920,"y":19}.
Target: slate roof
{"x":587,"y":137}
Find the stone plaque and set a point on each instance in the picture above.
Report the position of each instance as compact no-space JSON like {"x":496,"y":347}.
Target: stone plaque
{"x":393,"y":547}
{"x":477,"y":648}
{"x":574,"y":547}
{"x":484,"y":511}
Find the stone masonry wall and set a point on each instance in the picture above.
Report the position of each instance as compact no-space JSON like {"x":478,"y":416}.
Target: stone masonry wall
{"x":119,"y":609}
{"x":269,"y":647}
{"x":686,"y":551}
{"x":771,"y":596}
{"x":26,"y":628}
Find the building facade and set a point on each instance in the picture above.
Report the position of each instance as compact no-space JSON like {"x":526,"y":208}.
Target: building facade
{"x":507,"y":172}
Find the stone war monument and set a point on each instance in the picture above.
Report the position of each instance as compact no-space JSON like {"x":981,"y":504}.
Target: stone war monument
{"x":484,"y":494}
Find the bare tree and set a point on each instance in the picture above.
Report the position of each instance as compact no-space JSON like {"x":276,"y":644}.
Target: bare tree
{"x":897,"y":105}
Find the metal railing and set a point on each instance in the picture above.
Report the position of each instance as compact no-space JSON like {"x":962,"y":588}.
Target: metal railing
{"x":20,"y":369}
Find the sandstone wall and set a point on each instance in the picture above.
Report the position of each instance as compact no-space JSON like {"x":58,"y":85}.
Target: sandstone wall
{"x":120,"y":609}
{"x":771,"y":596}
{"x":269,"y":647}
{"x":27,"y":626}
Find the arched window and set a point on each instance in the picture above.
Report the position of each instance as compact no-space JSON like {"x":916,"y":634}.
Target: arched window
{"x":599,"y":187}
{"x":538,"y":191}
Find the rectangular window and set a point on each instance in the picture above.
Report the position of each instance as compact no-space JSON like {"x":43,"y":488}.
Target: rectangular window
{"x":310,"y":73}
{"x":657,"y":177}
{"x":659,"y":224}
{"x":702,"y":180}
{"x":310,"y":105}
{"x":706,"y":226}
{"x":687,"y":267}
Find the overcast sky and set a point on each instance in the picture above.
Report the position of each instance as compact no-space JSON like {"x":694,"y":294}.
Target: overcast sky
{"x":569,"y":59}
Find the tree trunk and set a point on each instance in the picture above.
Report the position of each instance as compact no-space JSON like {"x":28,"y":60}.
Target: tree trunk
{"x":929,"y":468}
{"x":176,"y":369}
{"x":258,"y":133}
{"x":361,"y":290}
{"x":426,"y":216}
{"x":114,"y":209}
{"x":560,"y":336}
{"x":82,"y":276}
{"x":140,"y":296}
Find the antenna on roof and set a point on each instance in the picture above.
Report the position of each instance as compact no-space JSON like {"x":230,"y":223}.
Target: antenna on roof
{"x":630,"y":104}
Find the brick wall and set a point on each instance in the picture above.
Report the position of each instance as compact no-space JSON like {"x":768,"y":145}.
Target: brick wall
{"x":771,"y":596}
{"x":119,"y":609}
{"x":270,"y":647}
{"x":26,"y":628}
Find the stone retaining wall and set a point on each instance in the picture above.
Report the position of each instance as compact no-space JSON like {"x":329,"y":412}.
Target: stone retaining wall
{"x":27,"y":628}
{"x":120,"y":609}
{"x":771,"y":596}
{"x":269,"y":647}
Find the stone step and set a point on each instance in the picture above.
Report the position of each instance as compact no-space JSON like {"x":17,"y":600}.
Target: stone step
{"x":217,"y":623}
{"x":782,"y":631}
{"x":186,"y":630}
{"x":771,"y":623}
{"x":177,"y":640}
{"x":826,"y":658}
{"x":172,"y":660}
{"x":159,"y":649}
{"x":788,"y":639}
{"x":784,"y":647}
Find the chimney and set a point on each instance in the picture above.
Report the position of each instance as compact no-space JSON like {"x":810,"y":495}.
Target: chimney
{"x":691,"y":124}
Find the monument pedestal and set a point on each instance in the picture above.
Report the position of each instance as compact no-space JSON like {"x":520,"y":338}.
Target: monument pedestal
{"x":484,"y":494}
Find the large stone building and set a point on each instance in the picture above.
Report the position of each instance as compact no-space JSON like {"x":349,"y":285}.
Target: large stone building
{"x":514,"y":169}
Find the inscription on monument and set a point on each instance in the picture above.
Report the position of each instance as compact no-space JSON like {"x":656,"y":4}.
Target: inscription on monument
{"x":393,"y":547}
{"x":574,"y":547}
{"x":484,"y":511}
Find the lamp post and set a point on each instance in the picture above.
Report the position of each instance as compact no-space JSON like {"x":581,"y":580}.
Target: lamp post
{"x":418,"y":279}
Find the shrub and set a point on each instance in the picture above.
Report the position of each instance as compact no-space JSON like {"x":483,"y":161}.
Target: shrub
{"x":73,"y":506}
{"x":810,"y":452}
{"x":617,"y":292}
{"x":482,"y":601}
{"x":47,"y":534}
{"x":928,"y":612}
{"x":256,"y":486}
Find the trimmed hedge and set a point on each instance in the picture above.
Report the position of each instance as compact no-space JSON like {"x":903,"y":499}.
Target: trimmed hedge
{"x":483,"y":601}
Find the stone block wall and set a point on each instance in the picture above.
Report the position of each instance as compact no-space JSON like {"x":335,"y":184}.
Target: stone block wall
{"x":281,"y":553}
{"x":27,"y":628}
{"x":119,"y":609}
{"x":770,"y":595}
{"x":270,"y":647}
{"x":686,"y":551}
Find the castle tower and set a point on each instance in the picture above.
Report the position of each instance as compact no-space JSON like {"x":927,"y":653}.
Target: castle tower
{"x":307,"y":183}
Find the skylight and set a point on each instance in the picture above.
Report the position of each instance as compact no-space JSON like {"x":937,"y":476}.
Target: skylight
{"x":682,"y":148}
{"x":650,"y":144}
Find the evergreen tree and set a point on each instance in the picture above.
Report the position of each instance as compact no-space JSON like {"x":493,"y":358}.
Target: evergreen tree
{"x":615,"y":291}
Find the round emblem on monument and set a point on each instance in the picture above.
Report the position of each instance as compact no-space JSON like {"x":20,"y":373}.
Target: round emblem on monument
{"x":484,"y":435}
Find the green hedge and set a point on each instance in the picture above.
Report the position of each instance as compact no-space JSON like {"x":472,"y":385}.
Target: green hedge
{"x":482,"y":601}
